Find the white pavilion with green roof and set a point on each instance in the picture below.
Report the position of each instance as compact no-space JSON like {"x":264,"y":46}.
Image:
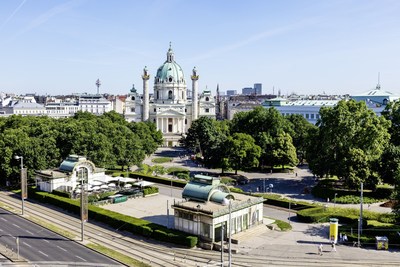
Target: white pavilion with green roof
{"x":208,"y":205}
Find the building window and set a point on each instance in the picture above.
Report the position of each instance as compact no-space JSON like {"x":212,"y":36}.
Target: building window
{"x":185,"y":121}
{"x":158,"y":94}
{"x":207,"y":98}
{"x":132,"y":109}
{"x":170,"y":125}
{"x":155,"y":110}
{"x":185,"y":109}
{"x":312,"y":116}
{"x":207,"y":110}
{"x":170,"y":94}
{"x":307,"y":116}
{"x":133,"y":98}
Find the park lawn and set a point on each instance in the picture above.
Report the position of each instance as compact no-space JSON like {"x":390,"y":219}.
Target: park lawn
{"x":160,"y":160}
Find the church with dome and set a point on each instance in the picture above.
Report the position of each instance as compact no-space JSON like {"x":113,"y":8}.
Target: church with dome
{"x":172,"y":106}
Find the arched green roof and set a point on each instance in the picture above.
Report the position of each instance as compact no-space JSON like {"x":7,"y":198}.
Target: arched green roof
{"x":219,"y":196}
{"x":205,"y":188}
{"x":72,"y":161}
{"x":197,"y":191}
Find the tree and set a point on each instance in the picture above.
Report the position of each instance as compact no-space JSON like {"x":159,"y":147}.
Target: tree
{"x":258,"y":121}
{"x":301,"y":130}
{"x":242,"y":151}
{"x":45,"y":142}
{"x":278,"y":150}
{"x":348,"y":143}
{"x":207,"y":137}
{"x":392,"y":113}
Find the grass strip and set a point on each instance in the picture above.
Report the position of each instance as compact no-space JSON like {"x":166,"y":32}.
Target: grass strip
{"x":117,"y":256}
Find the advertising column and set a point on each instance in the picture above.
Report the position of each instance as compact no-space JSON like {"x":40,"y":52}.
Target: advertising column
{"x":333,"y":230}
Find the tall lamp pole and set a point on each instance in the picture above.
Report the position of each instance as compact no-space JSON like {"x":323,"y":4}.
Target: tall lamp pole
{"x":230,"y":232}
{"x":334,"y":201}
{"x":23,"y":182}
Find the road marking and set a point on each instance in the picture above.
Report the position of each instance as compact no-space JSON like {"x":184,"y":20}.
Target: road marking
{"x":1,"y":230}
{"x":80,"y":258}
{"x":3,"y":219}
{"x":61,"y":248}
{"x":16,"y":225}
{"x":43,"y":253}
{"x":29,"y":232}
{"x":46,"y":240}
{"x":27,"y":244}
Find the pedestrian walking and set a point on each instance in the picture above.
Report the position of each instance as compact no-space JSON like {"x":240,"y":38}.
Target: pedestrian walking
{"x":333,"y":247}
{"x":320,"y":247}
{"x":340,"y":237}
{"x":344,"y":238}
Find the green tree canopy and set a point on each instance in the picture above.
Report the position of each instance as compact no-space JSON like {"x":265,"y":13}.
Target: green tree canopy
{"x":242,"y":152}
{"x":348,"y":143}
{"x":44,"y":142}
{"x":301,"y":130}
{"x":207,"y":136}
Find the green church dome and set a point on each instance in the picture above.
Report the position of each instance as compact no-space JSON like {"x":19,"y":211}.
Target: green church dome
{"x":170,"y":71}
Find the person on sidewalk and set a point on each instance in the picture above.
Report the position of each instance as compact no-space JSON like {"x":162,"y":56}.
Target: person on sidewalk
{"x":320,"y":247}
{"x":333,"y":247}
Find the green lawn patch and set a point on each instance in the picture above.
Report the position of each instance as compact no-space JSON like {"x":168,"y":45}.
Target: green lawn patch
{"x":128,"y":261}
{"x":160,"y":160}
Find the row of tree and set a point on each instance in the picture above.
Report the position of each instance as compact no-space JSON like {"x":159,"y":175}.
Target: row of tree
{"x":349,"y":141}
{"x":107,"y":140}
{"x":261,"y":137}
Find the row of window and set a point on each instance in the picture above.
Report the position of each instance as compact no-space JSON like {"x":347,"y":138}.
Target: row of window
{"x":311,"y":116}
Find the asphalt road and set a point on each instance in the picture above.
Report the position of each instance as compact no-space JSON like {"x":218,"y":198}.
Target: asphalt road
{"x":37,"y":244}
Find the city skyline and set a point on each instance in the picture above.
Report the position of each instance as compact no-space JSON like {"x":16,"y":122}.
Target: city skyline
{"x":305,"y":47}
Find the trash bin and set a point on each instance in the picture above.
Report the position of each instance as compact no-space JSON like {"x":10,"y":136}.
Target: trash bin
{"x":382,"y":242}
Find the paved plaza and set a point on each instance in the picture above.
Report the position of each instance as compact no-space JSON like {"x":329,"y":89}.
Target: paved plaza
{"x":299,"y":243}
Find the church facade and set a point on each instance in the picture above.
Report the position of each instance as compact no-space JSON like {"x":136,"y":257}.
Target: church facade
{"x":171,"y":106}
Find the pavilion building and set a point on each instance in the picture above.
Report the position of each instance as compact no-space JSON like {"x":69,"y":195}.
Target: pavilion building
{"x":209,"y":206}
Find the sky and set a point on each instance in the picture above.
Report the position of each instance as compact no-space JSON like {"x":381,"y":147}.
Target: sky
{"x":57,"y":47}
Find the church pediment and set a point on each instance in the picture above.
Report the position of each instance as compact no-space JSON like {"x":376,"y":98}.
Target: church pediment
{"x":170,"y":112}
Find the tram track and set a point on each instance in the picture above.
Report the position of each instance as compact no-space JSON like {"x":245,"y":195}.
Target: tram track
{"x":154,"y":254}
{"x":97,"y":234}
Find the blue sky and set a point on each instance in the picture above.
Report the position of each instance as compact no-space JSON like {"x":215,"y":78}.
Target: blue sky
{"x":302,"y":46}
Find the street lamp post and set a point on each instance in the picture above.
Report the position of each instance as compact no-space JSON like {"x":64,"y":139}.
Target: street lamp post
{"x":230,"y":232}
{"x":264,"y":185}
{"x":22,"y":182}
{"x":334,"y":200}
{"x":290,"y":206}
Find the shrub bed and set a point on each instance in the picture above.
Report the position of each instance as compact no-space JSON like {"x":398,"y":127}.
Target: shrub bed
{"x":277,"y":200}
{"x":350,"y":199}
{"x":150,"y":190}
{"x":327,"y":188}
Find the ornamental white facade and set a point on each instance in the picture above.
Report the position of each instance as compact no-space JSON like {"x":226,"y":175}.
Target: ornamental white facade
{"x":171,"y":106}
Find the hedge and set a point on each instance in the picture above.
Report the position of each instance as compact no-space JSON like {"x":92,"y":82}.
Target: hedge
{"x":150,"y":190}
{"x":61,"y":193}
{"x":326,"y":188}
{"x":322,"y":214}
{"x":117,"y":220}
{"x":160,"y":180}
{"x":277,"y":200}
